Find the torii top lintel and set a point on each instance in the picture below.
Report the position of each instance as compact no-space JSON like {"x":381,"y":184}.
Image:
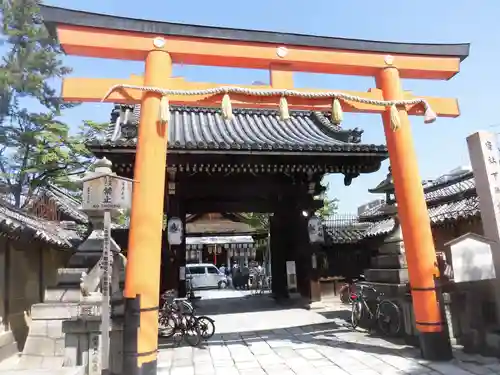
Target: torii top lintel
{"x":98,"y":35}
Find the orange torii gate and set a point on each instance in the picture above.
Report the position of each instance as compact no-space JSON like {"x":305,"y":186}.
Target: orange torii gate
{"x":161,"y":44}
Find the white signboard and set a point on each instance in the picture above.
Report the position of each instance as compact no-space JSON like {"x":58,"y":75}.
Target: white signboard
{"x":471,"y":258}
{"x":219,"y":240}
{"x":106,"y":193}
{"x":290,"y":267}
{"x":315,"y":229}
{"x":175,"y":231}
{"x":484,"y":157}
{"x":291,"y":274}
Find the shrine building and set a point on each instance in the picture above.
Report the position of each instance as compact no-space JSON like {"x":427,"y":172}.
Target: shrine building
{"x":255,"y":163}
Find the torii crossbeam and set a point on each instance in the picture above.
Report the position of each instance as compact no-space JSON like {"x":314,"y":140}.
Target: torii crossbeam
{"x":161,"y":44}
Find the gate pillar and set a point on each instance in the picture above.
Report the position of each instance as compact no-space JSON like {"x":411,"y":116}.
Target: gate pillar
{"x":146,"y":224}
{"x":415,"y":224}
{"x":278,"y":255}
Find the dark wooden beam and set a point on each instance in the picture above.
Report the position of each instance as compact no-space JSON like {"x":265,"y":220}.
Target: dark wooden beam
{"x":194,"y":206}
{"x":203,"y":206}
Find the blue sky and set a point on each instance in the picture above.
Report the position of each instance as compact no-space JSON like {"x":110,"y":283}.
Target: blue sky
{"x":440,"y":146}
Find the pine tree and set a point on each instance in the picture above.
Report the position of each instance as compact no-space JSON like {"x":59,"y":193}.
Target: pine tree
{"x":36,"y":146}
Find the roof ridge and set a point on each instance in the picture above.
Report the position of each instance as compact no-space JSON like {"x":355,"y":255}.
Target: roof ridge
{"x":204,"y":128}
{"x":336,"y":131}
{"x":453,"y":180}
{"x":61,"y":191}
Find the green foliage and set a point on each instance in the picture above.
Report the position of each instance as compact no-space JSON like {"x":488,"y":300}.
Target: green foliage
{"x":36,"y":147}
{"x":330,"y":206}
{"x":260,"y":221}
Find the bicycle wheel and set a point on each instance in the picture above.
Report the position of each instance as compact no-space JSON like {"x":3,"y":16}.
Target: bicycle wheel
{"x":345,"y":294}
{"x":388,"y":318}
{"x":191,"y":330}
{"x":357,"y":314}
{"x":167,"y":323}
{"x":187,"y":307}
{"x":206,"y":327}
{"x":261,"y":287}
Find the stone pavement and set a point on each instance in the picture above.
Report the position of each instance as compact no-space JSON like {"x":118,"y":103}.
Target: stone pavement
{"x":306,"y":342}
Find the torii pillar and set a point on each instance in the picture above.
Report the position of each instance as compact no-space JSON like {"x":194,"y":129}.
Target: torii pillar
{"x":146,"y":222}
{"x":415,"y":223}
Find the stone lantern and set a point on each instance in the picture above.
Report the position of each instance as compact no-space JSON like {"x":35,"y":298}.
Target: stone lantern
{"x":104,"y":195}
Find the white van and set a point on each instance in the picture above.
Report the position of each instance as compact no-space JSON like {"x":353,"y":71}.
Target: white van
{"x":205,"y":275}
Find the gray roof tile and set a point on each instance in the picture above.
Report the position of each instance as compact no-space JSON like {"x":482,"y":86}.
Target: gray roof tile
{"x":199,"y":128}
{"x":346,"y":234}
{"x":66,"y":204}
{"x":450,"y":199}
{"x":14,"y":221}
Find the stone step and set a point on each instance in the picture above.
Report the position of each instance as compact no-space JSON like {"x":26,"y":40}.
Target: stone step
{"x":9,"y":363}
{"x":390,"y":276}
{"x":8,"y":346}
{"x":62,"y":295}
{"x":388,"y":289}
{"x":80,"y":370}
{"x":397,"y":247}
{"x":394,"y":261}
{"x":6,"y":338}
{"x":49,"y":311}
{"x":70,"y":276}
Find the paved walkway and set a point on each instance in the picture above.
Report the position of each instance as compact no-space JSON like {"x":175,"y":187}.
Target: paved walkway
{"x":288,"y":341}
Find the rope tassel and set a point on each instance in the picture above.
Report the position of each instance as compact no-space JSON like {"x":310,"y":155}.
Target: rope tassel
{"x":395,"y":120}
{"x":226,"y":107}
{"x":284,"y":112}
{"x":164,"y":110}
{"x":227,"y":113}
{"x":429,"y":115}
{"x":337,"y":113}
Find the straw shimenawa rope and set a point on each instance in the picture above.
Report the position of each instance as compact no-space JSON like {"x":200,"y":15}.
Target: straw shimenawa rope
{"x":337,"y":98}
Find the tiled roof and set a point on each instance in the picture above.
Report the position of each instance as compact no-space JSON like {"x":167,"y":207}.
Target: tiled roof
{"x":450,"y":200}
{"x":15,"y":221}
{"x":346,"y":234}
{"x":199,"y":128}
{"x":66,"y":204}
{"x":381,"y":227}
{"x":447,"y":200}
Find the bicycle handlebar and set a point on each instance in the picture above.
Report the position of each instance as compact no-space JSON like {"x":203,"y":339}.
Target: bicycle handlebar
{"x":367,"y":287}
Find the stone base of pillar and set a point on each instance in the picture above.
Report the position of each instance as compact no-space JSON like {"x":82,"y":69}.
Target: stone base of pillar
{"x":315,"y":291}
{"x":435,"y":346}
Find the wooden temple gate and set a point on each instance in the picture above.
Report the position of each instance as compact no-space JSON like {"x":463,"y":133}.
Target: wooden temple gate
{"x":280,"y":175}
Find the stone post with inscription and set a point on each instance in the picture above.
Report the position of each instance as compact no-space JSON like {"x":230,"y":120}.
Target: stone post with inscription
{"x":106,"y":193}
{"x":485,"y":161}
{"x":65,"y":329}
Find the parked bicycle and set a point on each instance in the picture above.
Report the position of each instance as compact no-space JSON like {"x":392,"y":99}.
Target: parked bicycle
{"x":384,"y":313}
{"x":348,"y":290}
{"x":259,"y":284}
{"x":177,"y":319}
